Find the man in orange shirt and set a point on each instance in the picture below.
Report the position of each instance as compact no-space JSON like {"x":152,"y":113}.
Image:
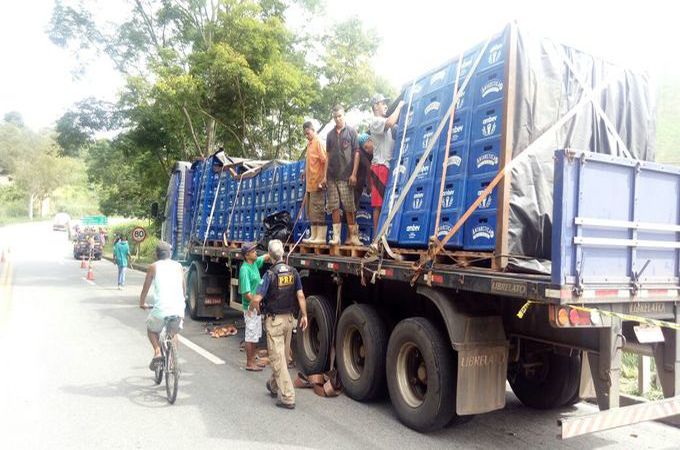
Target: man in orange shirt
{"x":315,"y":176}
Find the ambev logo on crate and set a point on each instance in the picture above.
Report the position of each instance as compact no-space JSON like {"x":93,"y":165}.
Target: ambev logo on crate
{"x":489,"y":125}
{"x":437,"y":76}
{"x":448,"y":197}
{"x":495,"y":53}
{"x":412,"y":230}
{"x":482,"y":231}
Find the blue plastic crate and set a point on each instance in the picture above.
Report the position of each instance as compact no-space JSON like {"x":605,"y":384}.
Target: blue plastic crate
{"x":414,"y":229}
{"x":408,"y":146}
{"x":457,"y":161}
{"x":447,"y":220}
{"x":485,"y":157}
{"x":364,"y":213}
{"x":285,"y":190}
{"x":453,"y":195}
{"x":419,"y":197}
{"x":487,"y":121}
{"x":490,"y":85}
{"x":285,"y":173}
{"x":425,"y":132}
{"x":392,"y":234}
{"x":408,"y":116}
{"x":437,"y":79}
{"x":302,"y":227}
{"x":365,"y":233}
{"x":428,"y":170}
{"x":495,"y":53}
{"x":480,"y":231}
{"x":434,"y":105}
{"x":475,"y":186}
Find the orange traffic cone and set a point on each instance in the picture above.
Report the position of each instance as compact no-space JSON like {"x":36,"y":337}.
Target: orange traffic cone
{"x":90,"y":273}
{"x":82,"y":263}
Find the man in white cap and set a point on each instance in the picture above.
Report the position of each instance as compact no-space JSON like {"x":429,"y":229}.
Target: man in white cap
{"x":380,"y":128}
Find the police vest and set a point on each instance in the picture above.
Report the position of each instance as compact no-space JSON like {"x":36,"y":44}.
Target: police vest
{"x":281,"y":296}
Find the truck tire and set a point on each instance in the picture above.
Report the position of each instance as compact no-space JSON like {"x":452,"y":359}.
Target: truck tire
{"x":421,"y":375}
{"x":313,"y":345}
{"x":361,"y":347}
{"x":193,"y":296}
{"x":544,"y":379}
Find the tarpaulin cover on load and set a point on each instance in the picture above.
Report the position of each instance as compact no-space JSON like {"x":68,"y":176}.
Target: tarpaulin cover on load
{"x":550,"y":81}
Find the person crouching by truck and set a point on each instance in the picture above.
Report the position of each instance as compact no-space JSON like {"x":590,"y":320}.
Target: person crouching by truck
{"x":248,"y":280}
{"x":362,"y":166}
{"x":315,"y":180}
{"x":276,"y":298}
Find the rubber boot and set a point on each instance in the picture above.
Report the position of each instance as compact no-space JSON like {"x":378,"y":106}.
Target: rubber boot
{"x":353,"y":238}
{"x":321,"y":231}
{"x":337,"y":230}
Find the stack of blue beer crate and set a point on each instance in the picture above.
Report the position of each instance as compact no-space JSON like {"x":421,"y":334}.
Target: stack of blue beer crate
{"x":474,"y":152}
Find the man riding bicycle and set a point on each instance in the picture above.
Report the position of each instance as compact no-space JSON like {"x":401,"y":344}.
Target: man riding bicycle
{"x":169,"y":289}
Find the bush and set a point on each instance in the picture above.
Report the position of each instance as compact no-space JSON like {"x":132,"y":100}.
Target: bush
{"x":147,"y":249}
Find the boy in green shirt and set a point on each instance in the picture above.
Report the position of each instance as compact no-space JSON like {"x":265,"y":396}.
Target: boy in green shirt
{"x":248,"y":280}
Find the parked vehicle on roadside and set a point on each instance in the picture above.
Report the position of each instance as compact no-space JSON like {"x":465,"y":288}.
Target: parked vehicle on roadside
{"x":87,"y":245}
{"x":61,"y":222}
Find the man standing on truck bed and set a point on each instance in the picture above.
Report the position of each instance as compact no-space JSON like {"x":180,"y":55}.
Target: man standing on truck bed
{"x":380,"y":128}
{"x":248,"y":280}
{"x":341,"y":145}
{"x":315,"y":178}
{"x":281,"y":289}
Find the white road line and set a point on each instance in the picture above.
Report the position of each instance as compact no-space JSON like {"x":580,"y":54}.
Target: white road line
{"x":201,"y":351}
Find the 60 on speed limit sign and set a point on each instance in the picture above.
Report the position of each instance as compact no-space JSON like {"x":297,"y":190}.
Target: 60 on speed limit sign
{"x":138,"y":234}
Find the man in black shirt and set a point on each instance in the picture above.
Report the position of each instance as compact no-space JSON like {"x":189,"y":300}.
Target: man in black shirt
{"x":341,"y":147}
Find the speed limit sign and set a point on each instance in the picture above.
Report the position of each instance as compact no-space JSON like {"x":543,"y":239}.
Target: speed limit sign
{"x":138,"y":234}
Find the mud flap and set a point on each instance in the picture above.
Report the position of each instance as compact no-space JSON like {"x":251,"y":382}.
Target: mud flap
{"x":482,"y":370}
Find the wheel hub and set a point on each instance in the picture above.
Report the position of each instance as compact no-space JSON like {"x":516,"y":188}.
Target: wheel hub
{"x":353,"y":353}
{"x":411,"y":375}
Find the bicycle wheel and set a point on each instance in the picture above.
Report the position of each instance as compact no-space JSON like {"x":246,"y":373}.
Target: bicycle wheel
{"x":158,"y":371}
{"x":171,"y":372}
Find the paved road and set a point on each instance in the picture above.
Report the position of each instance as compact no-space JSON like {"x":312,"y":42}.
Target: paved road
{"x":74,"y":375}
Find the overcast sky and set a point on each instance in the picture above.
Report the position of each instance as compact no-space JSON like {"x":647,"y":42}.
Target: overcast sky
{"x":36,"y":80}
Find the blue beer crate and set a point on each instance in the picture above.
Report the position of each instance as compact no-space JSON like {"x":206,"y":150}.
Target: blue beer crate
{"x":495,"y":53}
{"x":434,"y":105}
{"x":301,"y":228}
{"x":453,"y":195}
{"x":419,"y":197}
{"x":487,"y":121}
{"x":414,"y":229}
{"x":490,"y":86}
{"x":484,"y":157}
{"x":429,"y":168}
{"x":457,"y":162}
{"x":480,"y":231}
{"x":447,"y":220}
{"x":365,"y":233}
{"x":475,"y":186}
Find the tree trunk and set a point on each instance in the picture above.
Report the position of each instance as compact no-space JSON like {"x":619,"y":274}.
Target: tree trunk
{"x":209,"y":136}
{"x":31,"y":200}
{"x":45,"y":207}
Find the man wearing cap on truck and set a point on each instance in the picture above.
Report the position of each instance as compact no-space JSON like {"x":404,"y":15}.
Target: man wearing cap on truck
{"x":315,"y":178}
{"x":380,"y":128}
{"x":248,"y":280}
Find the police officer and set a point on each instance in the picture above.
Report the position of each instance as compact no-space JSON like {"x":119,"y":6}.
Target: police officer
{"x":276,"y":298}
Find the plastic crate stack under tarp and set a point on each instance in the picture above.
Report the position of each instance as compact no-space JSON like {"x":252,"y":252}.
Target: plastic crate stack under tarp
{"x":526,"y":97}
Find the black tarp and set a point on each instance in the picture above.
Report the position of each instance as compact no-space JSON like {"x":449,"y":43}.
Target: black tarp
{"x":545,"y":91}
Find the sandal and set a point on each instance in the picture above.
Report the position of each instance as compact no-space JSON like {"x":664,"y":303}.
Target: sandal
{"x":155,"y":361}
{"x":254,"y":369}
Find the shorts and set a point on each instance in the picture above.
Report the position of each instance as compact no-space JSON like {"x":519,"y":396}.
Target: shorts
{"x":253,"y":326}
{"x":340,"y":192}
{"x":316,"y":209}
{"x":155,"y":324}
{"x":381,"y":172}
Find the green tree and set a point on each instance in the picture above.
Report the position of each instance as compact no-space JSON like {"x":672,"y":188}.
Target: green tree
{"x":15,"y":118}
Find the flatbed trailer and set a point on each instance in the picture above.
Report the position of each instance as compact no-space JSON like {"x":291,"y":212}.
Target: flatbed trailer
{"x":412,"y":328}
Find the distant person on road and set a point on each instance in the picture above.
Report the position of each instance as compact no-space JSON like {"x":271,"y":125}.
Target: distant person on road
{"x":315,"y":178}
{"x":121,"y":255}
{"x":167,"y":278}
{"x":248,"y":281}
{"x":276,"y":298}
{"x":341,"y":145}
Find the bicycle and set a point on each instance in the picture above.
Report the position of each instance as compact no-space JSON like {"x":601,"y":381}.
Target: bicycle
{"x":169,"y":365}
